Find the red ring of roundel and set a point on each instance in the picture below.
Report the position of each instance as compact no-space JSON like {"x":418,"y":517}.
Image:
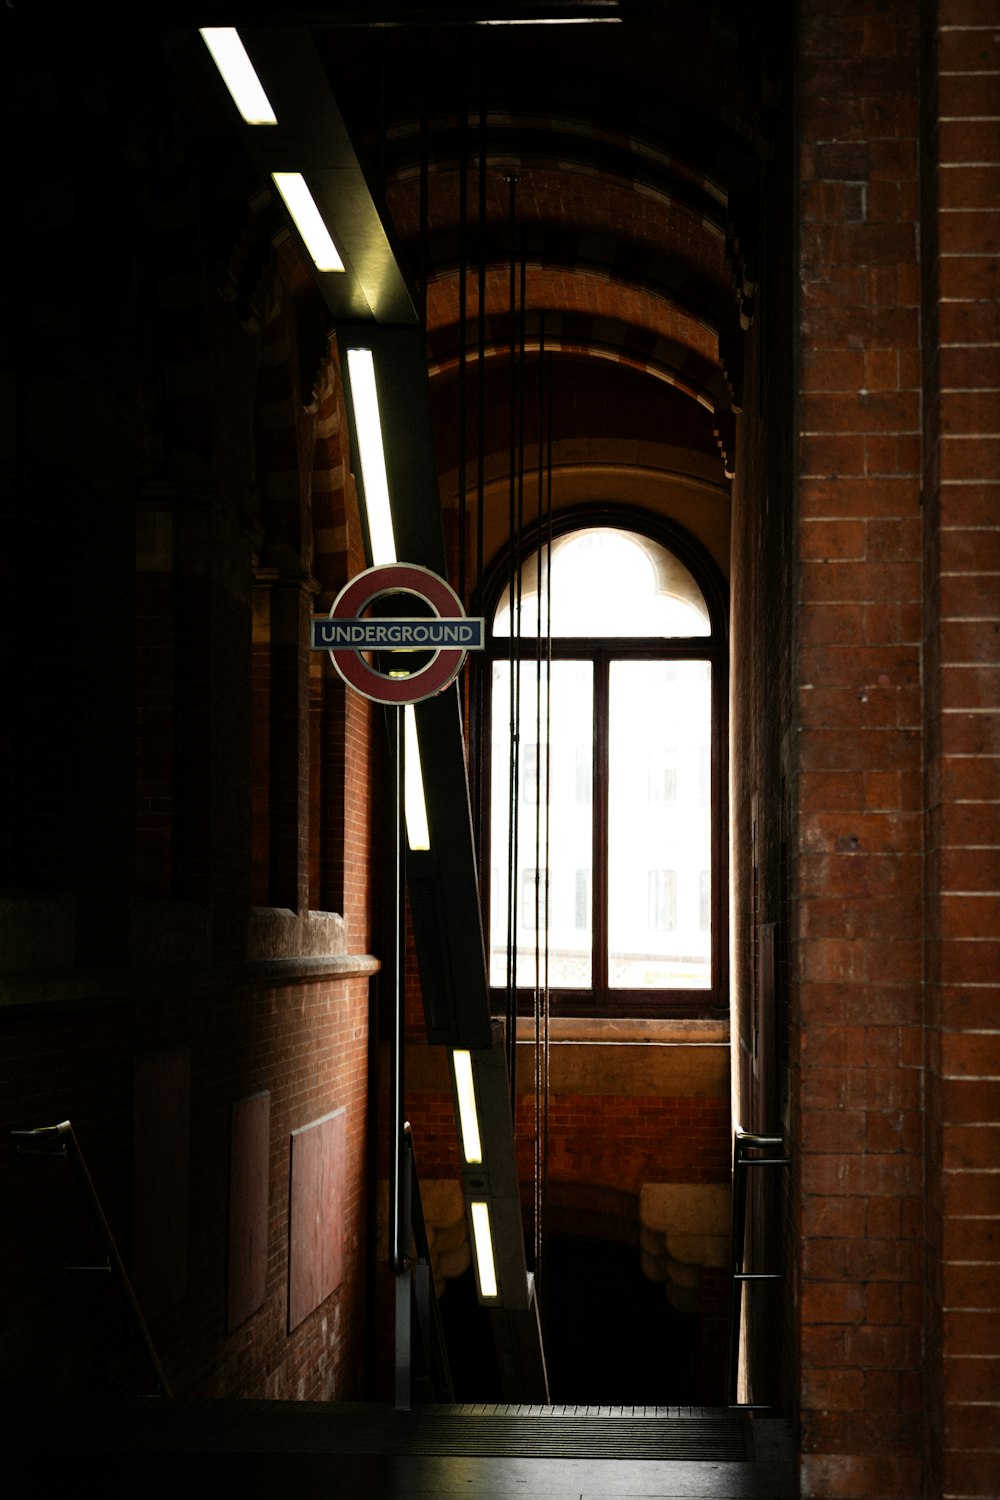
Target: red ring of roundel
{"x":406,"y":578}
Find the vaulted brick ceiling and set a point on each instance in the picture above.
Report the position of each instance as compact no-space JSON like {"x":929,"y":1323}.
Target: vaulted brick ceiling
{"x":618,"y":199}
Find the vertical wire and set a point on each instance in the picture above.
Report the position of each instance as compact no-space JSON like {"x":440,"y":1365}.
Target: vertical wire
{"x":463,"y":293}
{"x":484,"y":682}
{"x":424,"y":174}
{"x":539,"y":867}
{"x":520,"y":558}
{"x":400,"y":1233}
{"x":475,"y":669}
{"x":481,"y":338}
{"x":547,"y":993}
{"x":513,"y":653}
{"x":522,"y":288}
{"x":539,"y":982}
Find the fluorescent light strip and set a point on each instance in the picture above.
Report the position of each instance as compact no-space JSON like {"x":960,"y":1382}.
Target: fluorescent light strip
{"x":483,"y":1240}
{"x":238,"y":74}
{"x":368,"y":425}
{"x":308,"y":220}
{"x":361,"y":367}
{"x":465,"y":1089}
{"x":418,"y":833}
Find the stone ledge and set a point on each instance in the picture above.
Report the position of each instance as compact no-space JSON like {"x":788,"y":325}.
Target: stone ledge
{"x":709,"y":1031}
{"x":80,"y":989}
{"x":278,"y":933}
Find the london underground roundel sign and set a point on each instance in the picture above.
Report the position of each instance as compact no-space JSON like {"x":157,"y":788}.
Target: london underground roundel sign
{"x":347,"y":634}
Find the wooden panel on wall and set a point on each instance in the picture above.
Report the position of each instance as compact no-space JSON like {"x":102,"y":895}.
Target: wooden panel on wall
{"x":249,"y":1153}
{"x":316,"y":1217}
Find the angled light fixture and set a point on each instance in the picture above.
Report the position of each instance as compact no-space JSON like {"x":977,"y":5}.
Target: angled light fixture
{"x":308,"y":220}
{"x":382,"y":539}
{"x":482,"y":1238}
{"x":418,"y":833}
{"x":548,"y":20}
{"x":465,"y":1091}
{"x":238,"y":74}
{"x":240,"y":77}
{"x":364,"y":396}
{"x":556,"y":13}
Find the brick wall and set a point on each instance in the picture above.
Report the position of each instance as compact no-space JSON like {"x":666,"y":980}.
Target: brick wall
{"x":308,"y":1047}
{"x":610,"y":1141}
{"x":184,"y":453}
{"x":961,"y":139}
{"x":857,"y":860}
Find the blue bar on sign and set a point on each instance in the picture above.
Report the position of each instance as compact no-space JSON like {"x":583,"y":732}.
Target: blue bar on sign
{"x":435,"y":634}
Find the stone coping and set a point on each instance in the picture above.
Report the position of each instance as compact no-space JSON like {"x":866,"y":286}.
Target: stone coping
{"x":75,"y":989}
{"x":697,"y":1031}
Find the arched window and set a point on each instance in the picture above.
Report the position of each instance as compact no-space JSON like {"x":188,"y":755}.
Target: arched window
{"x":606,"y":857}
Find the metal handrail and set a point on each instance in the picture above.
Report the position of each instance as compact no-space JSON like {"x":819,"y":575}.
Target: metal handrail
{"x":745,"y":1141}
{"x":66,"y":1144}
{"x":417,"y":1293}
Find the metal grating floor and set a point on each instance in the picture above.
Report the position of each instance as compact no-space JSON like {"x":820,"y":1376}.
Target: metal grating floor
{"x":255,"y":1450}
{"x":542,"y":1432}
{"x":660,"y":1434}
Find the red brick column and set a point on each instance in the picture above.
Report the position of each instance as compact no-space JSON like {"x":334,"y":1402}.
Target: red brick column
{"x":962,"y":622}
{"x":857,"y":865}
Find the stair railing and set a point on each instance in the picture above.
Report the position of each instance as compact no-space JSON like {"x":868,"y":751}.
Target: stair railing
{"x":60,"y":1140}
{"x":428,"y":1377}
{"x":746,"y":1145}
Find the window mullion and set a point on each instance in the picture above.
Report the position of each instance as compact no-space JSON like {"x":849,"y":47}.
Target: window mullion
{"x":600,"y":977}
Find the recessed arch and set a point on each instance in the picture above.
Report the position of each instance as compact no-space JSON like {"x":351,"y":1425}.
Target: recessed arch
{"x":605,"y":874}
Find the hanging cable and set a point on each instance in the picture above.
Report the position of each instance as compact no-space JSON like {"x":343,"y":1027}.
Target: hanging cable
{"x":521,"y":355}
{"x":463,"y":295}
{"x":481,"y":337}
{"x":424,"y":174}
{"x":546,"y":991}
{"x":539,"y":623}
{"x":475,"y":666}
{"x":480,"y":679}
{"x":513,"y":651}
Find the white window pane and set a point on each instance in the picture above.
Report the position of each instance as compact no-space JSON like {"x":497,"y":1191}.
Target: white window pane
{"x":554,"y":828}
{"x":662,"y":915}
{"x":582,"y":900}
{"x":608,"y":583}
{"x":658,"y":850}
{"x":531,"y":911}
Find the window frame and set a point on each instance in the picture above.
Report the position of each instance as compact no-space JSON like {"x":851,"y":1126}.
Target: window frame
{"x":600,"y":999}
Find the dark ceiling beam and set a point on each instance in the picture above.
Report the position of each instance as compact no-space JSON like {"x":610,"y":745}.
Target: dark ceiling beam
{"x":311,"y":138}
{"x":402,"y":14}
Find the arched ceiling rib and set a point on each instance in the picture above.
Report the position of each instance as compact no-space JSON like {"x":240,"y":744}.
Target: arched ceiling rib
{"x":566,"y":294}
{"x":565,"y":250}
{"x":635,"y":151}
{"x":521,"y":144}
{"x":607,"y":339}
